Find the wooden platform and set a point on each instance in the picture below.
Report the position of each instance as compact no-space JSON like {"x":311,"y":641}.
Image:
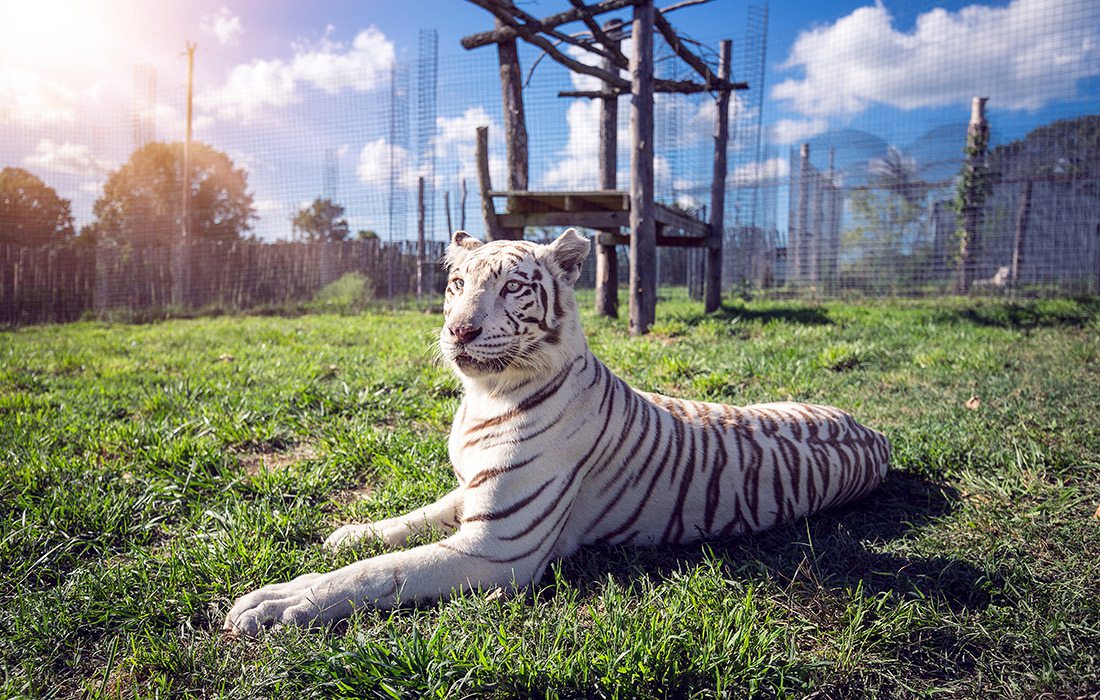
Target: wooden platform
{"x":604,"y":210}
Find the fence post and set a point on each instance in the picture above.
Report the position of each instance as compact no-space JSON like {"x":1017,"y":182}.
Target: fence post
{"x":718,"y":186}
{"x":607,"y":258}
{"x":420,"y":238}
{"x":972,"y":192}
{"x":643,"y":222}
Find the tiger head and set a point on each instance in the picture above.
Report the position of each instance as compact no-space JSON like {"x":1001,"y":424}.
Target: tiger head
{"x":509,"y":306}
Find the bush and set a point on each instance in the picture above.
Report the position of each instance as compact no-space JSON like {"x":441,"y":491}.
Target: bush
{"x":351,"y":294}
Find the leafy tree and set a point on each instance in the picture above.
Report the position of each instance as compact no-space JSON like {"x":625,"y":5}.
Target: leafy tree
{"x":888,"y":213}
{"x":321,"y":221}
{"x":1067,"y":150}
{"x":142,"y":201}
{"x":31,"y":213}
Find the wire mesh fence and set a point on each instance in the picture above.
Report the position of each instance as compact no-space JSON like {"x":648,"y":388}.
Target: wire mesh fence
{"x":292,"y":189}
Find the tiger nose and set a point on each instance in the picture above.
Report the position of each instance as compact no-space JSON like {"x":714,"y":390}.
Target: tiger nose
{"x":464,"y":333}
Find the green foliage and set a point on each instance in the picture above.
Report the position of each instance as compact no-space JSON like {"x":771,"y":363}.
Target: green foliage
{"x":149,"y":474}
{"x":888,"y":215}
{"x":322,"y":220}
{"x":350,"y":294}
{"x":142,"y":201}
{"x":31,"y":213}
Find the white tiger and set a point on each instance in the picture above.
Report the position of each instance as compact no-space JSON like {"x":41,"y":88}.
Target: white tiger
{"x":552,"y":451}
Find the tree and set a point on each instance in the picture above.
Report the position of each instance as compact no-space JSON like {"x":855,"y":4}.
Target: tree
{"x":31,"y":213}
{"x":321,"y":221}
{"x":888,"y":215}
{"x":142,"y":201}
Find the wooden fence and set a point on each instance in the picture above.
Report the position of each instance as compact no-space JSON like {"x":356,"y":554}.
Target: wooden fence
{"x":63,"y":283}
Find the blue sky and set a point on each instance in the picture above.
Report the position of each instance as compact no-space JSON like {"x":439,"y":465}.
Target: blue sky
{"x":893,"y":69}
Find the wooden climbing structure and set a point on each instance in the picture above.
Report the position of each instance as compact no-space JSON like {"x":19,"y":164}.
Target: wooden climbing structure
{"x":609,"y":209}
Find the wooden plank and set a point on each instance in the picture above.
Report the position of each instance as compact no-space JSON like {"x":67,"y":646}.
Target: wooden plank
{"x":667,"y":216}
{"x":591,"y":219}
{"x":643,"y":223}
{"x":662,"y":241}
{"x":713,"y":295}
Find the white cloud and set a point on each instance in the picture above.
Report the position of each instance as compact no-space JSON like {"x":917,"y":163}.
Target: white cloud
{"x":1022,"y":56}
{"x":223,"y":25}
{"x":759,"y":172}
{"x":787,"y":131}
{"x":71,"y":158}
{"x":29,"y":98}
{"x":578,"y":166}
{"x":332,"y":67}
{"x":379,"y":161}
{"x":456,"y":139}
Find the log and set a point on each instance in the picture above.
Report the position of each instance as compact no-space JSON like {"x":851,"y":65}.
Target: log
{"x":713,"y":274}
{"x":515,"y":123}
{"x":643,"y":223}
{"x":607,"y":258}
{"x":1022,"y":216}
{"x":473,"y":41}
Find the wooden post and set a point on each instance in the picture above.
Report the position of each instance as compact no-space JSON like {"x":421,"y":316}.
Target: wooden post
{"x":643,"y":223}
{"x":799,"y":244}
{"x":182,"y":253}
{"x":488,"y":212}
{"x":461,"y":208}
{"x":515,"y":124}
{"x":447,"y":209}
{"x":1022,"y":216}
{"x":713,"y":273}
{"x":973,"y":194}
{"x":607,"y":259}
{"x":420,"y":238}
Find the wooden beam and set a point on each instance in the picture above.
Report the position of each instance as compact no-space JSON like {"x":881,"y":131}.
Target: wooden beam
{"x":662,"y":240}
{"x":669,"y":217}
{"x":643,"y":223}
{"x":474,"y":41}
{"x":685,"y":54}
{"x":610,"y":47}
{"x":488,"y":212}
{"x":713,"y":295}
{"x":607,"y":258}
{"x":584,"y":219}
{"x":682,"y":87}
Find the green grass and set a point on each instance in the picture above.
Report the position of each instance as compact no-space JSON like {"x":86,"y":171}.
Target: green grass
{"x":149,"y":474}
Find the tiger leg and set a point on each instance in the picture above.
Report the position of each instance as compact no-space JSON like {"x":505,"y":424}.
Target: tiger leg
{"x":468,"y":560}
{"x":444,"y":515}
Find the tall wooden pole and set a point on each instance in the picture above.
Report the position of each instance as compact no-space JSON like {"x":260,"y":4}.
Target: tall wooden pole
{"x":607,"y":259}
{"x":515,"y":123}
{"x":420,"y":212}
{"x":1022,"y":217}
{"x":801,"y":243}
{"x":973,"y":193}
{"x":643,"y":223}
{"x":713,"y":296}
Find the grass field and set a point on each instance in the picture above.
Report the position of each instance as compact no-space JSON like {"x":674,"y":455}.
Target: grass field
{"x":149,"y":474}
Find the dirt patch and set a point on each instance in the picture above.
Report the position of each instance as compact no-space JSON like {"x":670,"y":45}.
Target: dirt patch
{"x":275,"y":460}
{"x":349,"y":496}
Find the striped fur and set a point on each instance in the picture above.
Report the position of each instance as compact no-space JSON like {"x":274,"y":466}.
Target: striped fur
{"x":552,"y":451}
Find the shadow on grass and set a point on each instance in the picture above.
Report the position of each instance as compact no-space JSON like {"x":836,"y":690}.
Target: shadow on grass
{"x":834,"y":550}
{"x":787,"y":313}
{"x":1044,"y":313}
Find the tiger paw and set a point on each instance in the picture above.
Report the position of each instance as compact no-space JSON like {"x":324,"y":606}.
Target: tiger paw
{"x":275,"y":605}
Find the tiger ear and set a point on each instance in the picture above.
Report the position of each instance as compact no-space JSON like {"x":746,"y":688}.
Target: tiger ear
{"x":569,"y":251}
{"x":461,"y":244}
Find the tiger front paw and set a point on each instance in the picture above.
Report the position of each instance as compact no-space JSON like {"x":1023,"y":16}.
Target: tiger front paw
{"x":275,"y":605}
